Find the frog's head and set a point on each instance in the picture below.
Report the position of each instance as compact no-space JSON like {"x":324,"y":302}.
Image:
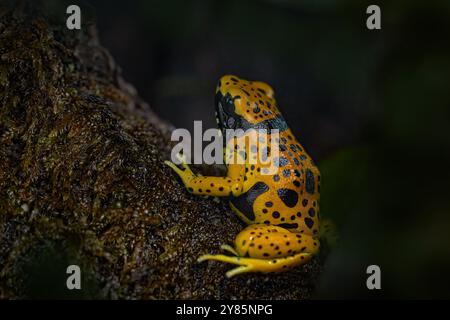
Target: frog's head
{"x":242,"y":104}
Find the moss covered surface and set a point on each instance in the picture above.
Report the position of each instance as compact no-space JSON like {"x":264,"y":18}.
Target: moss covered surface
{"x":82,"y":181}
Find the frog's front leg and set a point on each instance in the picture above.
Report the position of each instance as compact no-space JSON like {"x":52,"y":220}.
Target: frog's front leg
{"x":231,"y":185}
{"x":265,"y":248}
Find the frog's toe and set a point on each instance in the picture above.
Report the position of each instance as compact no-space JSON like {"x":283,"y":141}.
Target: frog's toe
{"x":181,"y":157}
{"x":238,"y":270}
{"x":183,"y":162}
{"x":228,"y":248}
{"x":221,"y":257}
{"x":243,"y":265}
{"x":173,"y":166}
{"x":184,"y":174}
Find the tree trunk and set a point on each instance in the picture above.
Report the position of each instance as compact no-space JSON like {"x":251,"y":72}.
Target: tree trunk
{"x":82,"y":182}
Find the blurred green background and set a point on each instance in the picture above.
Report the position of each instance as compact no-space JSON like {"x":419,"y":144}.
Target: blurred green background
{"x":372,"y":107}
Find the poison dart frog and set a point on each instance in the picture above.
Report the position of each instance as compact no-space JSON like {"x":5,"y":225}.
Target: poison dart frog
{"x":281,"y":209}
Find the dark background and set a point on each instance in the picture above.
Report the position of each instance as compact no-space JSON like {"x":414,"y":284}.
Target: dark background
{"x":372,"y":107}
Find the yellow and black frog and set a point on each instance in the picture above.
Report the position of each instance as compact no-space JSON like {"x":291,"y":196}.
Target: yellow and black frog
{"x":281,"y":208}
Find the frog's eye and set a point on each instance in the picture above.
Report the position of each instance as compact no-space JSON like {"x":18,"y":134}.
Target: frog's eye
{"x":227,"y":107}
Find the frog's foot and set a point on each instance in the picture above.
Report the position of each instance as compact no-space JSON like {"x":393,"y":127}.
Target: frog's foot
{"x":186,"y":173}
{"x":266,"y":248}
{"x":258,"y":265}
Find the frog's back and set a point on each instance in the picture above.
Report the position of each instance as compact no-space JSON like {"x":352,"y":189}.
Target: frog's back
{"x":290,"y":197}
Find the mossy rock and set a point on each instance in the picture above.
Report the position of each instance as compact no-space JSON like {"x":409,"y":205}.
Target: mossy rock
{"x":82,"y":181}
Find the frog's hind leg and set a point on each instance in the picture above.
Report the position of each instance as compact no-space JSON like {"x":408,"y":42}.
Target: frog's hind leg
{"x":263,"y":248}
{"x":258,"y":265}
